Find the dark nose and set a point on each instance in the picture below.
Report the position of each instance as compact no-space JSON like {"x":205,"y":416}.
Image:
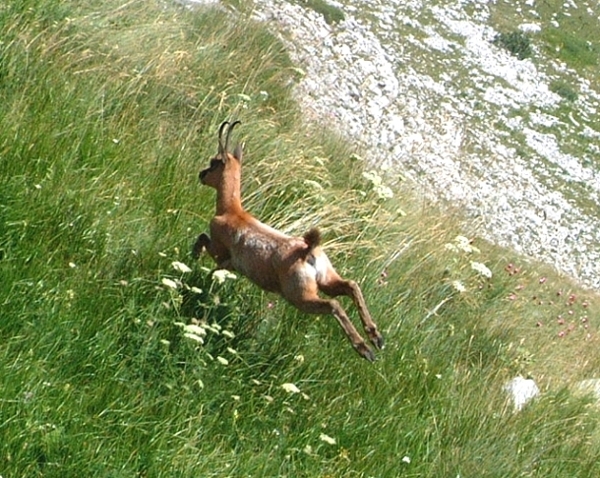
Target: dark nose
{"x":202,"y":175}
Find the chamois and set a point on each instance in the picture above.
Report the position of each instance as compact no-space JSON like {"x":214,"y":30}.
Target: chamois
{"x":294,"y":267}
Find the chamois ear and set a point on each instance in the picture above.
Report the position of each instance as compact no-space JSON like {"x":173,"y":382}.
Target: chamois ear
{"x":238,"y":152}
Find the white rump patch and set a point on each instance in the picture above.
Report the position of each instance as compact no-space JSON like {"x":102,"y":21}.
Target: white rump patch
{"x":320,"y":265}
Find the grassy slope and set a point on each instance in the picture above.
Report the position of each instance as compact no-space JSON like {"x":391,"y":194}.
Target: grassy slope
{"x":106,"y":115}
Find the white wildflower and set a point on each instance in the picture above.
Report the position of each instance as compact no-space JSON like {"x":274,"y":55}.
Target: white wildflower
{"x":222,"y":360}
{"x":458,"y":286}
{"x":327,"y":439}
{"x":222,"y":275}
{"x":451,"y":247}
{"x":290,"y":388}
{"x":196,"y":290}
{"x":194,"y":337}
{"x":481,"y":269}
{"x":380,"y":189}
{"x":180,"y":267}
{"x":214,"y":328}
{"x":384,"y":192}
{"x":194,"y":329}
{"x":313,"y":184}
{"x":193,"y":332}
{"x":462,"y":244}
{"x":406,"y":459}
{"x":171,"y":284}
{"x":228,"y":334}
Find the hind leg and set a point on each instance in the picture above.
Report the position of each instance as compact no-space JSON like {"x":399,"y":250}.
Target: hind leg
{"x":306,"y":299}
{"x":333,"y":285}
{"x":316,"y":305}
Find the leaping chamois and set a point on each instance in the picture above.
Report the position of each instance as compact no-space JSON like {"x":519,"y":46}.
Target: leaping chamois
{"x":294,"y":267}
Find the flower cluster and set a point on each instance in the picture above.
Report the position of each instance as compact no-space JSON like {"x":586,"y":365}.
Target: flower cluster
{"x":198,"y":330}
{"x":381,"y":190}
{"x":461,"y":244}
{"x":564,"y":311}
{"x":461,"y":248}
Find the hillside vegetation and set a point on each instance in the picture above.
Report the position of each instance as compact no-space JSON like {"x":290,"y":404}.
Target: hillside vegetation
{"x":122,"y":357}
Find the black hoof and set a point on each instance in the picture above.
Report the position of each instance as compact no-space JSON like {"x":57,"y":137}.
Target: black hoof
{"x":378,"y":341}
{"x":366,"y":352}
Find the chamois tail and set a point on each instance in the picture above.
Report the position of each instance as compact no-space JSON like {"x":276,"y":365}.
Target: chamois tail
{"x":312,"y":239}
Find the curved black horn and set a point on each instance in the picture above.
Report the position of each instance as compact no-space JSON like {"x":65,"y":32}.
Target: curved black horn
{"x":229,"y":130}
{"x":221,"y":149}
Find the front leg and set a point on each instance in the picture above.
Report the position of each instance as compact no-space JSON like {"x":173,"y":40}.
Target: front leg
{"x":219,"y":253}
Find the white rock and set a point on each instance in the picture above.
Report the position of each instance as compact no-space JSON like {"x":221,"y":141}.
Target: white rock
{"x":521,"y":391}
{"x":591,"y":385}
{"x":194,"y":3}
{"x":530,"y":27}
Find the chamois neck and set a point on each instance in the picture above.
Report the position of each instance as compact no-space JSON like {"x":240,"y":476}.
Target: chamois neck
{"x":228,"y":194}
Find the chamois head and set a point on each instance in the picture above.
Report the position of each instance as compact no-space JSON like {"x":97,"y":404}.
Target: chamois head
{"x":224,"y":160}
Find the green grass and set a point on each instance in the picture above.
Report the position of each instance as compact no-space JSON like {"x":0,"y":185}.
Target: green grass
{"x":564,"y":90}
{"x":569,"y":35}
{"x":107,"y":112}
{"x":517,"y":43}
{"x":331,"y":13}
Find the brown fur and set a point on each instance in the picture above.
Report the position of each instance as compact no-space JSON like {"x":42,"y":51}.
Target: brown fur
{"x":294,"y":267}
